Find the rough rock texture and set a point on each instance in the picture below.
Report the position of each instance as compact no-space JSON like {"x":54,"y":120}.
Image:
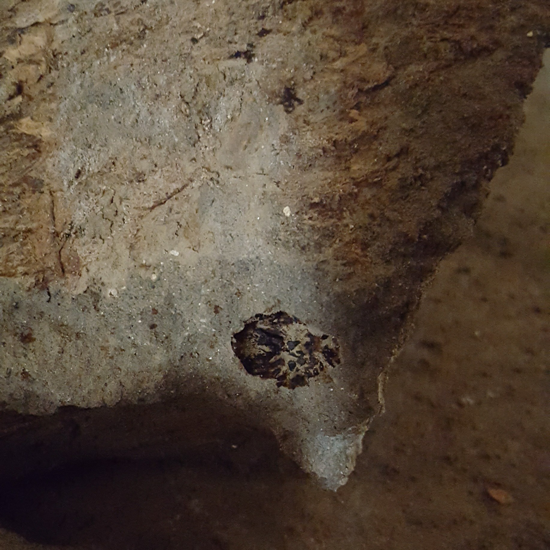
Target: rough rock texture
{"x":172,"y":171}
{"x":468,"y":396}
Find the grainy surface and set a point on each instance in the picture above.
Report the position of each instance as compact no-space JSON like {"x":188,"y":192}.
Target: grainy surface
{"x":467,"y":417}
{"x":169,"y":170}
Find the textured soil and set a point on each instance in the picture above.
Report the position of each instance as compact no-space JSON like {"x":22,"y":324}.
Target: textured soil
{"x":460,"y":460}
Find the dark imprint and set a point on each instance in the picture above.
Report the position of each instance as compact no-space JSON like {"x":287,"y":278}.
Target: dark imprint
{"x":247,"y":54}
{"x":281,"y":347}
{"x":289,"y":99}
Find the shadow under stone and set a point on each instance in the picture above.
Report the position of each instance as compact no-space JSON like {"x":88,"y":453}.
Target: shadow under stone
{"x":146,"y":477}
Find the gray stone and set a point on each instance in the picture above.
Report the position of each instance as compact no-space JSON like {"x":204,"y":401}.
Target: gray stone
{"x":171,"y":173}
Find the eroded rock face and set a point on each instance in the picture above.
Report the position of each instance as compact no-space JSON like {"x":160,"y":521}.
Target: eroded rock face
{"x":188,"y":189}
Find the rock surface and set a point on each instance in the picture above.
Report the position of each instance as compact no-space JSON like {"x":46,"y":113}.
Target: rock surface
{"x":171,"y":173}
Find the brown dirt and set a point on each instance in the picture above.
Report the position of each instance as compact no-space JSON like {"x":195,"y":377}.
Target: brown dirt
{"x":460,"y":460}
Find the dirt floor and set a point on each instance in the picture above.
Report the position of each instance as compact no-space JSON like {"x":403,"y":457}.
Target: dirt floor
{"x":460,"y":460}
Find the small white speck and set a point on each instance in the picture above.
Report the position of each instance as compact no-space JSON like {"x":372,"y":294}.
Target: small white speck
{"x":174,"y":253}
{"x":113,"y":292}
{"x":286,"y":211}
{"x":154,"y":277}
{"x":530,"y":34}
{"x":466,"y":401}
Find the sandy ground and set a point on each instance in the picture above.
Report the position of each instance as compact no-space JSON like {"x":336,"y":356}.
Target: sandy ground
{"x":460,"y":460}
